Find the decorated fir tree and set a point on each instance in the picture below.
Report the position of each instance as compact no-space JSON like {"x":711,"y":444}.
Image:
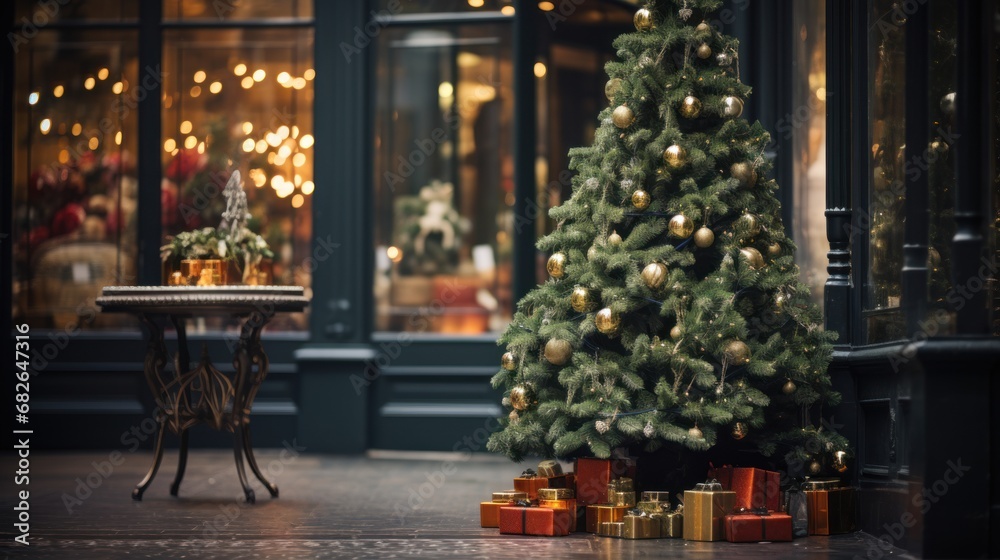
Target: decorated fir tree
{"x":674,"y":315}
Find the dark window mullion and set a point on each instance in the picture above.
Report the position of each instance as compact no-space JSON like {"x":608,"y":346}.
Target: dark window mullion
{"x":150,"y":127}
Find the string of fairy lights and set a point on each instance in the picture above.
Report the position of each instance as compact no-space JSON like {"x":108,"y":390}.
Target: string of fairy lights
{"x":284,"y":145}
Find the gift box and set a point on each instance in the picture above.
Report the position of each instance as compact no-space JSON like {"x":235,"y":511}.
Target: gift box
{"x":611,"y":529}
{"x":489,"y":512}
{"x":622,"y":499}
{"x":755,"y":488}
{"x":704,"y":510}
{"x":553,"y":472}
{"x":830,"y":507}
{"x":640,"y":527}
{"x":758,"y":525}
{"x":652,"y":507}
{"x":671,"y":523}
{"x":593,"y":476}
{"x":547,"y":522}
{"x":597,"y":514}
{"x":530,"y":482}
{"x":558,"y":498}
{"x":656,"y":496}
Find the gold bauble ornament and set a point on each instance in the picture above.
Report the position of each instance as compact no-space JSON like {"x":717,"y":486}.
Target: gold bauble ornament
{"x":522,"y":396}
{"x":614,"y":239}
{"x":607,"y":321}
{"x":753,"y":257}
{"x":558,"y":351}
{"x":704,"y":237}
{"x":744,"y":173}
{"x":774,"y":249}
{"x":779,"y":302}
{"x":739,"y":431}
{"x":556,"y":265}
{"x":695,"y":433}
{"x":643,"y":19}
{"x":737,"y":352}
{"x":623,"y":117}
{"x":939,"y":147}
{"x":751,"y":223}
{"x":508,"y":362}
{"x":581,"y":300}
{"x":704,"y":51}
{"x":612,"y":88}
{"x":840,"y":461}
{"x":732,"y":107}
{"x":641,"y":199}
{"x":702,"y":27}
{"x":654,"y":275}
{"x":690,"y":107}
{"x":789,"y":387}
{"x":681,"y":226}
{"x":675,"y":156}
{"x":676,"y":332}
{"x":815,"y":467}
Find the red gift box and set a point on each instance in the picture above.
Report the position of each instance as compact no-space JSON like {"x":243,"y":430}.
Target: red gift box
{"x":757,"y":527}
{"x":755,"y":488}
{"x":547,"y":522}
{"x":593,"y":476}
{"x":531,"y":485}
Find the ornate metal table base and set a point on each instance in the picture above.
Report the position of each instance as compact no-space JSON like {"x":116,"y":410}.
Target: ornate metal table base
{"x":204,"y":395}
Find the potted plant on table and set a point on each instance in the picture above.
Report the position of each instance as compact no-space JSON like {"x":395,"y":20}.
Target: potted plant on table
{"x":229,"y":254}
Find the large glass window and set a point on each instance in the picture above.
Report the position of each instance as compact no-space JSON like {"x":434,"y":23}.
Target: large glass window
{"x":443,"y":174}
{"x":233,"y":98}
{"x":75,"y":185}
{"x":808,"y":128}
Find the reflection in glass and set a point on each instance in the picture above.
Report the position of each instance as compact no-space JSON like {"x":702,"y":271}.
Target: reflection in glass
{"x":229,"y":10}
{"x":443,"y":179}
{"x":809,"y":144}
{"x":242,"y":100}
{"x":74,"y":179}
{"x":886,"y":69}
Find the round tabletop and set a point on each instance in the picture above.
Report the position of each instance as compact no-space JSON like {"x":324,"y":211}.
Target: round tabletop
{"x":202,"y":300}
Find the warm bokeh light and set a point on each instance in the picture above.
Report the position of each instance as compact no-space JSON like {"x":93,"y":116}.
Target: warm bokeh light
{"x":33,"y":98}
{"x":445,"y":89}
{"x":546,"y":6}
{"x":283,"y":77}
{"x":299,"y":83}
{"x":45,"y":126}
{"x":77,"y":129}
{"x":102,"y":74}
{"x":309,"y":74}
{"x":93,"y":143}
{"x":58,"y":91}
{"x":507,"y":10}
{"x":259,"y":75}
{"x":247,"y":127}
{"x":540,"y":69}
{"x":306,"y":141}
{"x":394,"y":253}
{"x":299,"y":159}
{"x":195,"y":91}
{"x":261,"y":146}
{"x":215,"y":87}
{"x":476,"y":3}
{"x":118,"y":138}
{"x":247,"y":82}
{"x":308,"y":187}
{"x":282,"y":132}
{"x":116,"y":89}
{"x":190,"y":142}
{"x":248,"y":145}
{"x":199,"y":76}
{"x":298,"y":200}
{"x":169,"y":145}
{"x":89,"y":83}
{"x":240,"y":69}
{"x":186,"y":127}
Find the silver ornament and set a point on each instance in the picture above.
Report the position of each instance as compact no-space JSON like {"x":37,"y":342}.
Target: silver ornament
{"x":601,"y":426}
{"x":724,"y":59}
{"x":648,"y":431}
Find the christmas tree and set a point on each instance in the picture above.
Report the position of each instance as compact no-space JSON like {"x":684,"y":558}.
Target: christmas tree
{"x":674,"y":315}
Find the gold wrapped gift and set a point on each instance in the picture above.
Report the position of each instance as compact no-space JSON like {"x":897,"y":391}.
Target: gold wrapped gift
{"x":650,"y":507}
{"x":623,"y":484}
{"x":555,"y":494}
{"x":830,"y":509}
{"x":611,"y":529}
{"x":704,"y":509}
{"x":549,"y":469}
{"x":509,"y":496}
{"x":640,"y":527}
{"x":622,"y":498}
{"x":603,"y":514}
{"x":559,"y":504}
{"x":671,"y":524}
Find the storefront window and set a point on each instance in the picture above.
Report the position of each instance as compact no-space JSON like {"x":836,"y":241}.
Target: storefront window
{"x":75,"y":185}
{"x":443,"y":174}
{"x":394,"y":7}
{"x":808,"y":126}
{"x":241,"y":99}
{"x":194,"y":10}
{"x":886,"y":194}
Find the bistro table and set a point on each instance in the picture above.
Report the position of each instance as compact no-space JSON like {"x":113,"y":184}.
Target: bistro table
{"x":186,"y":397}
